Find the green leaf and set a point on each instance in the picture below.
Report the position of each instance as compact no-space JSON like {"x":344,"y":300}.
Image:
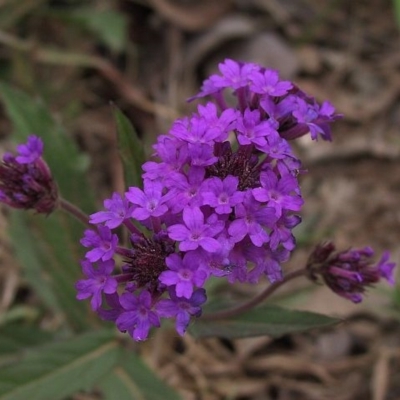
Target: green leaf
{"x":49,"y":256}
{"x":60,"y":369}
{"x":48,"y":248}
{"x":15,"y":337}
{"x":396,"y":5}
{"x":267,"y":320}
{"x":109,"y":26}
{"x":130,"y":149}
{"x":132,"y":379}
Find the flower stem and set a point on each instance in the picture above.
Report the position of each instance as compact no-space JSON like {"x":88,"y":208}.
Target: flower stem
{"x":131,"y":227}
{"x":235,"y":311}
{"x":76,"y":212}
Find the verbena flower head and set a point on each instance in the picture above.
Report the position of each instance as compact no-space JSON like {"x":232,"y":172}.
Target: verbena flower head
{"x":219,"y":199}
{"x":25,"y":179}
{"x":350,"y":272}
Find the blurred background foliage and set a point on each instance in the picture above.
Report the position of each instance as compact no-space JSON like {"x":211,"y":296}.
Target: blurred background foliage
{"x":66,"y":64}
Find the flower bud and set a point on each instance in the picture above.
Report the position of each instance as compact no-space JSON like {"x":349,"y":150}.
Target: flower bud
{"x":348,"y":273}
{"x":25,"y":179}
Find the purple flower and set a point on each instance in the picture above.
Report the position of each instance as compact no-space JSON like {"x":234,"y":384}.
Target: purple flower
{"x":218,"y":201}
{"x":234,"y":75}
{"x":222,"y":195}
{"x":281,"y":194}
{"x":208,"y":88}
{"x":182,"y":308}
{"x":251,"y":130}
{"x":315,"y":118}
{"x":104,"y":243}
{"x":348,"y":273}
{"x":194,"y":130}
{"x":118,"y":210}
{"x":195,"y":232}
{"x":252,"y":219}
{"x":282,"y":232}
{"x":138,"y":317}
{"x":99,"y":281}
{"x":220,"y":126}
{"x":217,"y":263}
{"x":385,"y":268}
{"x":150,"y":202}
{"x":183,"y":273}
{"x":186,"y":188}
{"x":30,"y":151}
{"x":268,"y":262}
{"x":114,"y":309}
{"x":201,"y":155}
{"x":278,"y":148}
{"x":268,"y":82}
{"x":172,"y":152}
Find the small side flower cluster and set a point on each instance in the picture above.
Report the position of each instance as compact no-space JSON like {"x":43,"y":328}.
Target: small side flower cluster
{"x":349,"y":273}
{"x":220,"y":201}
{"x":25,"y":179}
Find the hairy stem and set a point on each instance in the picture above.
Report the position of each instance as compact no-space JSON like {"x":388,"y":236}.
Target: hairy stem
{"x":73,"y":210}
{"x":248,"y":305}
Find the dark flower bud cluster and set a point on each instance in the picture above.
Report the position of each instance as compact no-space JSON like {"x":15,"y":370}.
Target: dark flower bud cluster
{"x":25,"y":179}
{"x":348,"y":273}
{"x":221,"y":200}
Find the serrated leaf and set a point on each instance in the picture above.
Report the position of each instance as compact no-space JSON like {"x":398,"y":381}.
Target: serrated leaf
{"x":132,"y":379}
{"x":130,"y":149}
{"x":49,"y":248}
{"x":60,"y":369}
{"x":262,"y":321}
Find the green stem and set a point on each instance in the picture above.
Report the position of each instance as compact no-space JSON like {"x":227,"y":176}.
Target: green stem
{"x":248,"y":305}
{"x":74,"y":211}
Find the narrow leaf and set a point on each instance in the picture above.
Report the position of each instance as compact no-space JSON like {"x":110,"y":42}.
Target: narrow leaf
{"x":50,"y":257}
{"x":263,"y":321}
{"x":132,"y":379}
{"x":396,"y":5}
{"x":15,"y":337}
{"x":130,"y":148}
{"x":60,"y":369}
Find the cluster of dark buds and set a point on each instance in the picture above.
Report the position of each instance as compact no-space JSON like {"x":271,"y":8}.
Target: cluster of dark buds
{"x":220,"y":201}
{"x":348,"y":273}
{"x":25,"y":179}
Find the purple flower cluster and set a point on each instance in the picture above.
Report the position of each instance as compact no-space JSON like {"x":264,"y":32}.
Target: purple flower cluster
{"x":348,"y":273}
{"x":219,"y":201}
{"x":25,"y":179}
